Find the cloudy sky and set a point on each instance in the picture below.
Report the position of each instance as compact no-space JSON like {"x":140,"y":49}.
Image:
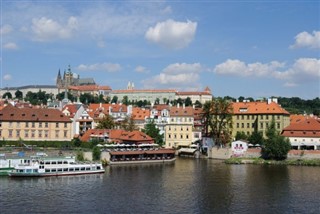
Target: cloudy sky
{"x":237,"y":48}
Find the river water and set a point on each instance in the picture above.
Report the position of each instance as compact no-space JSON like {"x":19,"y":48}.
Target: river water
{"x":187,"y":186}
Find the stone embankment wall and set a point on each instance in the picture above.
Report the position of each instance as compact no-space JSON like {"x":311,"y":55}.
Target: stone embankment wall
{"x":225,"y":153}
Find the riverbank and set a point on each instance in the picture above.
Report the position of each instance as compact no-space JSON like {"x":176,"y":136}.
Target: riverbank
{"x":293,"y":162}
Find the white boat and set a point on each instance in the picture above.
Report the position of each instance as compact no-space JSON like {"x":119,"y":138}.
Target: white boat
{"x":40,"y":167}
{"x":8,"y":164}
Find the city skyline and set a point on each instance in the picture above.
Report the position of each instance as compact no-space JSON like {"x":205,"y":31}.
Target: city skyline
{"x":248,"y":48}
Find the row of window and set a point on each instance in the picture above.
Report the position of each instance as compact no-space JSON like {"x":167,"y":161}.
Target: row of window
{"x":174,"y":136}
{"x":33,"y":133}
{"x":266,"y":117}
{"x":33,"y":124}
{"x":181,"y":128}
{"x":181,"y":119}
{"x":262,"y":125}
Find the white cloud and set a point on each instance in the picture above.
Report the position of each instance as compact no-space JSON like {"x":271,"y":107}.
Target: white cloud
{"x":7,"y":77}
{"x":6,"y":29}
{"x":302,"y":71}
{"x":176,"y":76}
{"x":307,"y":40}
{"x":237,"y":67}
{"x":10,"y":46}
{"x":47,"y":29}
{"x":172,"y":34}
{"x":141,"y":69}
{"x":108,"y":67}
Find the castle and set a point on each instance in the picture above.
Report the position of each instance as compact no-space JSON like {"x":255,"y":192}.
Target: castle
{"x":71,"y":79}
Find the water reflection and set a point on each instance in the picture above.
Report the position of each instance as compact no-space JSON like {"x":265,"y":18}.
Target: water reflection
{"x":188,"y":186}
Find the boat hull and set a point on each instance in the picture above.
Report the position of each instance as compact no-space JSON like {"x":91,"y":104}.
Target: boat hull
{"x":17,"y":174}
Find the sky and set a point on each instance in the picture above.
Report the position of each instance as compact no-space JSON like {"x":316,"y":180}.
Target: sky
{"x":246,"y":48}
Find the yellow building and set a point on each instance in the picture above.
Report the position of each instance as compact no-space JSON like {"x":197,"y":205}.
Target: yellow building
{"x":34,"y":124}
{"x":251,"y":116}
{"x":179,"y":129}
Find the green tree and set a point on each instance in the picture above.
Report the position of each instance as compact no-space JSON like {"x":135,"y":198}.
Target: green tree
{"x":7,"y":95}
{"x":198,"y":104}
{"x":128,"y":124}
{"x":106,"y":123}
{"x":151,"y":130}
{"x":256,"y":138}
{"x":276,"y":147}
{"x":217,"y":116}
{"x":241,"y":136}
{"x":125,"y":100}
{"x":18,"y":94}
{"x":96,"y":153}
{"x":188,"y":101}
{"x":114,"y":99}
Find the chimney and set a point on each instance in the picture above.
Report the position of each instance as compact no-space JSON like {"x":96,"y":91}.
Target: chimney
{"x":178,"y":105}
{"x":184,"y":106}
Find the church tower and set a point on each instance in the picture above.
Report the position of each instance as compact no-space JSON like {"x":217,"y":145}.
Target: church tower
{"x":59,"y":82}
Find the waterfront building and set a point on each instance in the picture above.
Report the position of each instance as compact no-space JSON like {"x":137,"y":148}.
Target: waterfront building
{"x":160,"y":115}
{"x":34,"y":124}
{"x":179,"y":129}
{"x":139,"y":116}
{"x":256,"y":116}
{"x":117,"y":136}
{"x":304,"y":133}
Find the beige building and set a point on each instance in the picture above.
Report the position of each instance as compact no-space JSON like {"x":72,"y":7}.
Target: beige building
{"x":179,"y":129}
{"x":251,"y":116}
{"x":32,"y":124}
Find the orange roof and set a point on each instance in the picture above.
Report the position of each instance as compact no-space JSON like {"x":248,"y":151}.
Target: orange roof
{"x":89,"y":88}
{"x":144,"y":91}
{"x":309,"y":127}
{"x":118,"y":135}
{"x":139,"y":113}
{"x":11,"y":113}
{"x":181,"y":111}
{"x":257,"y":108}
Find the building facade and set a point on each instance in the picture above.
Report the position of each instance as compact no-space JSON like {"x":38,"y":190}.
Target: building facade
{"x":34,"y":124}
{"x":256,"y":116}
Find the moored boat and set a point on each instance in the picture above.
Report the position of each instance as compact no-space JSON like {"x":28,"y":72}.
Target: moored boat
{"x":61,"y":166}
{"x":8,"y":164}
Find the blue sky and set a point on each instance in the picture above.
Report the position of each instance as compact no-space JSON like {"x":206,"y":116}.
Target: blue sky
{"x":237,"y":48}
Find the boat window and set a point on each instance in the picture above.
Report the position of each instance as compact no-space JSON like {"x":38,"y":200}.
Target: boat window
{"x":65,"y":169}
{"x":76,"y":169}
{"x":71,"y":169}
{"x":98,"y":167}
{"x":47,"y":170}
{"x":65,"y":162}
{"x":28,"y":170}
{"x":87,"y":168}
{"x":60,"y":170}
{"x":59,"y":162}
{"x":82,"y":168}
{"x":20,"y":170}
{"x":53,"y":170}
{"x":35,"y":170}
{"x":54,"y":162}
{"x":47,"y":162}
{"x":41,"y":162}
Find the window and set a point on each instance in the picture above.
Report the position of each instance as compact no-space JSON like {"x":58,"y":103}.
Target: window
{"x":65,"y":125}
{"x":27,"y":124}
{"x":261,"y":117}
{"x":248,"y":117}
{"x":26,"y":133}
{"x":10,"y":124}
{"x":18,"y":124}
{"x":169,"y":135}
{"x":242,"y":117}
{"x":248,"y":125}
{"x":261,"y":125}
{"x":18,"y":133}
{"x":65,"y":133}
{"x":278,"y":117}
{"x":267,"y":117}
{"x":252,"y":117}
{"x":46,"y":134}
{"x":175,"y":136}
{"x":57,"y":125}
{"x":10,"y":133}
{"x":33,"y":124}
{"x":237,"y":117}
{"x":238,"y":125}
{"x":181,"y":136}
{"x":40,"y":125}
{"x":278,"y":125}
{"x":46,"y":125}
{"x":57,"y":134}
{"x":33,"y":133}
{"x":242,"y":125}
{"x":40,"y":134}
{"x":187,"y":136}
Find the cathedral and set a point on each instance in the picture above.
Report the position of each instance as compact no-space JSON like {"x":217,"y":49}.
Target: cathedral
{"x":71,"y":79}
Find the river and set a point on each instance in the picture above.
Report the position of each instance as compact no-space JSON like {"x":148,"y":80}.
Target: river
{"x":188,"y":186}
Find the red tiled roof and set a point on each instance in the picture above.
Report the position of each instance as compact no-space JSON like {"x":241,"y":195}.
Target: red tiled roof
{"x":139,"y":113}
{"x":88,"y":88}
{"x":181,"y":111}
{"x":309,"y":127}
{"x":10,"y":113}
{"x":144,"y":91}
{"x":257,"y":108}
